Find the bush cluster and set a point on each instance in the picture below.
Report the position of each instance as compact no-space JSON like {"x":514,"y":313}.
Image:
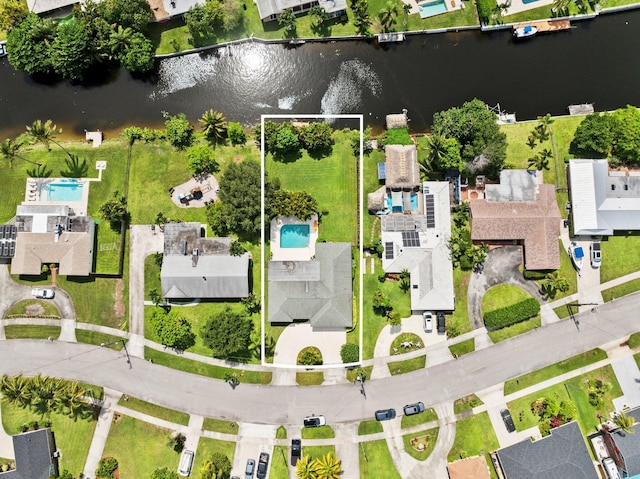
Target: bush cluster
{"x":535,"y":275}
{"x":513,"y":314}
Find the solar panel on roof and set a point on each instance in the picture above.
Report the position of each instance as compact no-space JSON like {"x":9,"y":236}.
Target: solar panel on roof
{"x":410,"y":239}
{"x":388,"y":250}
{"x":430,"y":211}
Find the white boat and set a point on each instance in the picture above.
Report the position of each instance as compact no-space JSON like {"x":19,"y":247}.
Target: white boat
{"x":525,"y":32}
{"x":577,"y":255}
{"x":3,"y":49}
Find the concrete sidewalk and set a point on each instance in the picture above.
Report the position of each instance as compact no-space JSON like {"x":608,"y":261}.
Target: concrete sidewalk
{"x":105,"y":419}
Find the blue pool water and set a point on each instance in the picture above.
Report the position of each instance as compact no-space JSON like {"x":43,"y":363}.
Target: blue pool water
{"x":63,"y":191}
{"x":432,"y":8}
{"x":414,"y":202}
{"x":294,"y":236}
{"x":528,"y":1}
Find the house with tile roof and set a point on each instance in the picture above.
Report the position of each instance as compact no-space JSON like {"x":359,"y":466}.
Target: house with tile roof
{"x":469,"y":468}
{"x":195,"y":266}
{"x":562,"y":454}
{"x":602,"y":201}
{"x":36,"y":456}
{"x":520,"y":210}
{"x":624,"y":447}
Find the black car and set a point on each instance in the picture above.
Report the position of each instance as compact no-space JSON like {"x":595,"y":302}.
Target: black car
{"x":385,"y":414}
{"x":263,"y":463}
{"x":296,"y":451}
{"x":314,"y":421}
{"x":508,"y":421}
{"x":442,"y":328}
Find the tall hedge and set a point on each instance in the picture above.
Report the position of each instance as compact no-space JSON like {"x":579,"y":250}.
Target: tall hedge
{"x":513,"y":314}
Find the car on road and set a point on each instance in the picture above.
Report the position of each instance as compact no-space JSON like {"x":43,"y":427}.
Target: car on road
{"x":427,"y":321}
{"x":42,"y":293}
{"x":263,"y":464}
{"x":411,"y":409}
{"x":596,"y":254}
{"x":314,"y":421}
{"x":442,"y":323}
{"x":250,"y":469}
{"x":508,"y":420}
{"x":296,"y":451}
{"x":385,"y":414}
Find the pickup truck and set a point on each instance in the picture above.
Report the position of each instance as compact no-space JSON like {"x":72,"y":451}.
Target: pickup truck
{"x":263,"y":463}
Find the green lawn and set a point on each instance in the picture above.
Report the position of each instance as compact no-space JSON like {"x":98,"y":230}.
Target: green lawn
{"x":553,"y":370}
{"x":322,"y":432}
{"x":279,"y":465}
{"x":154,"y":410}
{"x":318,"y":451}
{"x":465,"y":347}
{"x":624,"y":289}
{"x":94,"y":337}
{"x":203,"y":369}
{"x":466,"y":403}
{"x":634,"y":340}
{"x":281,"y":432}
{"x":427,"y":438}
{"x":26,"y":331}
{"x":576,"y":390}
{"x":206,"y":448}
{"x":515,"y":329}
{"x":620,"y":255}
{"x":376,"y":462}
{"x":637,"y":358}
{"x":369,"y":427}
{"x":518,"y":152}
{"x":474,"y":435}
{"x":151,"y":277}
{"x":220,"y":425}
{"x":427,"y":415}
{"x":33,"y":308}
{"x":73,"y":437}
{"x":501,"y":296}
{"x":331,"y":181}
{"x":408,"y":365}
{"x":540,"y":13}
{"x":458,"y":322}
{"x":149,"y":443}
{"x":565,"y":310}
{"x":314,"y":378}
{"x":405,"y":337}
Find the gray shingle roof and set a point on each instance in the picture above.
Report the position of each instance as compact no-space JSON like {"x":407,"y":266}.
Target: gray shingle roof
{"x":34,"y":456}
{"x":629,"y":445}
{"x":327,"y":302}
{"x":562,"y":455}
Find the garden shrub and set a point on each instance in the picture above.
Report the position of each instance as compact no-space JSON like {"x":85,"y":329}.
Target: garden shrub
{"x":485,"y":10}
{"x":106,"y":467}
{"x":397,"y":136}
{"x":350,"y":353}
{"x":536,"y":275}
{"x":513,"y":314}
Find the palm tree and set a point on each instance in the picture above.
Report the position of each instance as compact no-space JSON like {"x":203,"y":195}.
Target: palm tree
{"x":531,"y":141}
{"x":328,"y":467}
{"x":15,"y":390}
{"x":120,"y":40}
{"x":9,"y":149}
{"x":436,"y":149}
{"x":214,"y":125}
{"x":45,"y":133}
{"x":306,"y":468}
{"x":43,"y":390}
{"x":552,"y":283}
{"x":71,"y":399}
{"x":40,"y":171}
{"x":625,"y":423}
{"x":76,"y":169}
{"x":319,"y":15}
{"x":538,"y":162}
{"x":386,"y":17}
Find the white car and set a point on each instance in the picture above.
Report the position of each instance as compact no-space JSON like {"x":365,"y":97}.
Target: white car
{"x":427,"y":320}
{"x":596,"y":255}
{"x":42,"y":293}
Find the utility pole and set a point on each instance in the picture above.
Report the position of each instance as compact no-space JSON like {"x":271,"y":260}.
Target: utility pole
{"x":124,"y":344}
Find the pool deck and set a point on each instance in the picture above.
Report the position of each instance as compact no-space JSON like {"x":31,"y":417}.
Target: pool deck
{"x":206,"y":184}
{"x":450,"y":4}
{"x":292,"y":254}
{"x":516,"y":6}
{"x":33,"y":193}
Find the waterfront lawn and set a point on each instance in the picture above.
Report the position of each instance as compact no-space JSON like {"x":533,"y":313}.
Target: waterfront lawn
{"x":427,"y":438}
{"x":28,"y":331}
{"x":154,"y":410}
{"x":425,"y":416}
{"x":220,"y":425}
{"x":576,"y":390}
{"x":544,"y":12}
{"x":465,"y":347}
{"x":203,"y":369}
{"x":207,"y":447}
{"x":369,"y":427}
{"x":620,"y":255}
{"x":474,"y":435}
{"x":149,"y":443}
{"x":331,"y":180}
{"x":376,"y":462}
{"x":518,"y":152}
{"x":73,"y":436}
{"x":575,"y":362}
{"x":322,"y":432}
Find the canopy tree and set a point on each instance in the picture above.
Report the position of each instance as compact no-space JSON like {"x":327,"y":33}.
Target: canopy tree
{"x":227,"y":333}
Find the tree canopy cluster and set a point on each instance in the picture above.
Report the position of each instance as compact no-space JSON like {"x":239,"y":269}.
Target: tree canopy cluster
{"x":283,"y":138}
{"x":475,"y":129}
{"x":614,"y":135}
{"x":172,"y":330}
{"x":203,"y":20}
{"x":227,"y":333}
{"x":109,"y":31}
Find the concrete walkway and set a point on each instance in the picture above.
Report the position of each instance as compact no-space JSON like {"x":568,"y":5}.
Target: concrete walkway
{"x":300,"y":335}
{"x":101,"y":433}
{"x":628,"y":375}
{"x":6,"y":443}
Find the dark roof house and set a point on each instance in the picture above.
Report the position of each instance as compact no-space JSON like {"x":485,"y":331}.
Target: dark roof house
{"x":198,"y":267}
{"x":319,"y":290}
{"x":36,"y":456}
{"x":624,"y":447}
{"x":561,"y":455}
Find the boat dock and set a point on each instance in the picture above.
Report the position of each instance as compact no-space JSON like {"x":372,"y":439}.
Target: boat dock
{"x":546,"y":25}
{"x":582,"y":109}
{"x":390,"y":37}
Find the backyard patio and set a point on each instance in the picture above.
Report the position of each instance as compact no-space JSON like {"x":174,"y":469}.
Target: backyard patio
{"x":198,"y":192}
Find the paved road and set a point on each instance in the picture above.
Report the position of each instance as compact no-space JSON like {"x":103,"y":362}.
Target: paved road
{"x":340,"y":402}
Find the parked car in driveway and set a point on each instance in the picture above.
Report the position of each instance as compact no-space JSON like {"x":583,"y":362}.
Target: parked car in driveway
{"x":186,"y":462}
{"x":385,"y":414}
{"x":42,"y":293}
{"x":411,"y":409}
{"x":250,"y":469}
{"x":442,"y":322}
{"x":427,"y":321}
{"x":314,"y":421}
{"x":296,"y":451}
{"x":596,"y":254}
{"x":508,"y":420}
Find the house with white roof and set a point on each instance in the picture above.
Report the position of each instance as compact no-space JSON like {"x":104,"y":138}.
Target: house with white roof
{"x":270,"y":10}
{"x":602,"y":201}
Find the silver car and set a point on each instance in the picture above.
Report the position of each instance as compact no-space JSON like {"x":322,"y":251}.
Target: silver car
{"x":427,"y":320}
{"x":42,"y":293}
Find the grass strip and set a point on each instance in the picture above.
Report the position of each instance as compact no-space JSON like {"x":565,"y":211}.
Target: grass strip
{"x":376,"y":462}
{"x":466,"y":403}
{"x":171,"y":415}
{"x":623,"y":289}
{"x":408,"y":365}
{"x":464,"y":347}
{"x":322,"y":432}
{"x":29,"y":331}
{"x":220,"y":425}
{"x":427,"y":415}
{"x":575,"y":362}
{"x":314,"y":378}
{"x":204,"y":369}
{"x":97,"y":338}
{"x":369,"y":427}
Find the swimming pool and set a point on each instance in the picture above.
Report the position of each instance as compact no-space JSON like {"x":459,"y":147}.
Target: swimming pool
{"x":414,"y":202}
{"x":294,"y":236}
{"x":430,"y":9}
{"x":62,"y":191}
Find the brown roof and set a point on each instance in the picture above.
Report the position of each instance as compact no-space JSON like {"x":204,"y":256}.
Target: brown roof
{"x":157,"y":7}
{"x":536,"y":223}
{"x":470,"y":468}
{"x":73,"y":252}
{"x":402,"y":167}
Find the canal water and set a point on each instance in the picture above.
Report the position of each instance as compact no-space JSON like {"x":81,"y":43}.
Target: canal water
{"x":595,"y":62}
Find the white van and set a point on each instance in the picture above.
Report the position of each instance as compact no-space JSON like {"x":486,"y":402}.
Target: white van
{"x":611,"y":469}
{"x":186,"y":461}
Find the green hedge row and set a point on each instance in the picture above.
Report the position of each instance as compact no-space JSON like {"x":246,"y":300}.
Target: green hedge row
{"x":536,"y":275}
{"x":515,"y":313}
